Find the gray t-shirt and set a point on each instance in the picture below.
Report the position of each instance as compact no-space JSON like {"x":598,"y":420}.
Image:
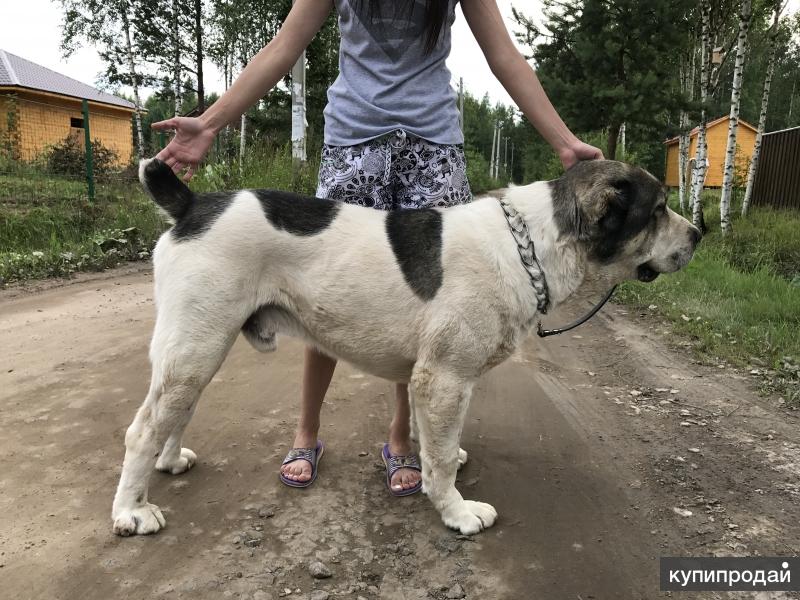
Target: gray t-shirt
{"x":386,"y":80}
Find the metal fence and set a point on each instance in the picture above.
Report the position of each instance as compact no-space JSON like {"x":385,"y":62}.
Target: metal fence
{"x":777,"y":182}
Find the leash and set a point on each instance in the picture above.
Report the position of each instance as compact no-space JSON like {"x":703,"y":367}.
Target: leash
{"x":527,"y":255}
{"x":543,"y":333}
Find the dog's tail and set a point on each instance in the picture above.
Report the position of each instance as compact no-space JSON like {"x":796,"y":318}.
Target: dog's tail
{"x":169,"y":192}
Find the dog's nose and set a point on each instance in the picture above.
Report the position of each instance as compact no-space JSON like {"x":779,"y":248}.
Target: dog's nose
{"x":696,"y":235}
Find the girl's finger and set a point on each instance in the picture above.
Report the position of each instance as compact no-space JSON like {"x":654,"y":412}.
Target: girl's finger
{"x":168,"y":124}
{"x":174,"y":164}
{"x":189,"y":172}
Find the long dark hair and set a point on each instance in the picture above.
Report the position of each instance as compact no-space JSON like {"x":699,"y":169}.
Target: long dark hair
{"x":436,"y":13}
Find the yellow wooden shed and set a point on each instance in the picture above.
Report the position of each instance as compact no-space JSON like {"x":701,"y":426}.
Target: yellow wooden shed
{"x":40,"y":107}
{"x":717,"y":133}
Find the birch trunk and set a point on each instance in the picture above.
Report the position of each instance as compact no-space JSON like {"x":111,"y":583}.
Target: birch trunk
{"x":684,"y":139}
{"x":198,"y":33}
{"x":137,"y":115}
{"x":762,"y":119}
{"x":176,"y":73}
{"x":733,"y":120}
{"x":699,"y":174}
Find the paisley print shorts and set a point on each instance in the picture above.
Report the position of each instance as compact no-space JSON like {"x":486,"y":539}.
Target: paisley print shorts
{"x":397,"y":170}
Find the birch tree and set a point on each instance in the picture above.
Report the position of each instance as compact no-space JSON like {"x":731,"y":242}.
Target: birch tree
{"x":687,"y":85}
{"x":745,"y":14}
{"x":107,"y":26}
{"x":762,"y":119}
{"x":715,"y":26}
{"x":699,"y":173}
{"x":171,"y":39}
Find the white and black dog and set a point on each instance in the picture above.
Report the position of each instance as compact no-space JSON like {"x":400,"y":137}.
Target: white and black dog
{"x":430,"y":297}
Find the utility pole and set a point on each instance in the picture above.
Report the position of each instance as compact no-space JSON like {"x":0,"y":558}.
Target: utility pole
{"x":299,"y":108}
{"x":511,"y":178}
{"x":497,"y":160}
{"x":505,"y":160}
{"x":461,"y":102}
{"x":494,"y":143}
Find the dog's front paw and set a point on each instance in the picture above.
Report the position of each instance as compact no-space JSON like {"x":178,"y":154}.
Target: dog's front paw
{"x":183,"y":463}
{"x":470,"y":517}
{"x":462,"y":458}
{"x":142,"y":520}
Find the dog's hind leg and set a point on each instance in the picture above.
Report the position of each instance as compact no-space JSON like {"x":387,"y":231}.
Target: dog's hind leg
{"x":174,"y":459}
{"x":186,"y":353}
{"x":440,"y":403}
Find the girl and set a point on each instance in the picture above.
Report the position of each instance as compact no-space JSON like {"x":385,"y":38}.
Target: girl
{"x":392,"y":140}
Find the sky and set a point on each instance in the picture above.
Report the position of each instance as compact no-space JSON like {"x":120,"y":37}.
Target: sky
{"x":32,"y":30}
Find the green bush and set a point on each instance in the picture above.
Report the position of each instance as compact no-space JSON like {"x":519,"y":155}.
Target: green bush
{"x":68,"y":157}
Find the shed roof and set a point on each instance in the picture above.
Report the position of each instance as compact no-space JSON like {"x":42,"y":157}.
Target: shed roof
{"x":709,"y":125}
{"x":16,"y":71}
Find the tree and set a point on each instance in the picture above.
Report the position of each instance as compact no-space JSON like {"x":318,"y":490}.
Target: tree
{"x":608,"y":62}
{"x":172,"y":40}
{"x":745,"y":14}
{"x":779,"y":5}
{"x":107,"y":26}
{"x":715,"y":25}
{"x":687,"y":80}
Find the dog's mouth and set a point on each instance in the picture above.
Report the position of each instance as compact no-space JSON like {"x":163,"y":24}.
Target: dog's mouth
{"x":646,"y":273}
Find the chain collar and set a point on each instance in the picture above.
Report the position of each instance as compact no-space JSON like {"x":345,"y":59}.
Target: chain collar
{"x":522,"y":236}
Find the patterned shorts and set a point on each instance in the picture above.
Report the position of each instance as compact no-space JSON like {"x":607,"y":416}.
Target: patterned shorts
{"x":397,"y":170}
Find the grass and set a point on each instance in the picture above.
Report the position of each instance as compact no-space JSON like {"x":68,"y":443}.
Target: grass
{"x":739,"y":298}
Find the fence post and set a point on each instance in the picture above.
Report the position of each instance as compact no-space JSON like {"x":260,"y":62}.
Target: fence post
{"x":88,"y":144}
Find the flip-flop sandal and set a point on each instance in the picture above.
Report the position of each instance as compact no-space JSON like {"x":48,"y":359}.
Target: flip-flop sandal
{"x":394,"y":464}
{"x":311,"y":455}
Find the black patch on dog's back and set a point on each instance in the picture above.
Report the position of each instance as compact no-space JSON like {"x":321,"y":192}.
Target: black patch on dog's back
{"x":201,"y":214}
{"x":295,"y":213}
{"x":416,"y":240}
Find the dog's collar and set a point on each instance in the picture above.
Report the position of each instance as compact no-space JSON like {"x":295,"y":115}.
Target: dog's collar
{"x":527,"y":254}
{"x":519,"y":229}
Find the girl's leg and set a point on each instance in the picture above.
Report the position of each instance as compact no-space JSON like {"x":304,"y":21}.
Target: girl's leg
{"x":400,"y":439}
{"x":317,"y":374}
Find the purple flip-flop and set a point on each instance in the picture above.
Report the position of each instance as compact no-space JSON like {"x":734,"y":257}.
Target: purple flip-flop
{"x":311,"y":455}
{"x":394,"y":464}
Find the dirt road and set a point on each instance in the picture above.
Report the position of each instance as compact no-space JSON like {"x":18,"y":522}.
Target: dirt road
{"x":585,"y":444}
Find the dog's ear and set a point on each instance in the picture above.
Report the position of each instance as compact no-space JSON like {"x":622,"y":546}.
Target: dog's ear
{"x":606,"y":207}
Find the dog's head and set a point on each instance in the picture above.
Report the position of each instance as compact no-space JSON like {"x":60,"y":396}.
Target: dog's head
{"x":619,"y":214}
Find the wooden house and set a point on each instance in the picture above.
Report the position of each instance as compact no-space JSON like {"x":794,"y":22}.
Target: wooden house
{"x":717,"y":135}
{"x":40,"y":107}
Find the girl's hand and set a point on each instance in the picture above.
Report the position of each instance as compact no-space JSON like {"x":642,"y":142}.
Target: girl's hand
{"x":578,"y":151}
{"x":187,"y":149}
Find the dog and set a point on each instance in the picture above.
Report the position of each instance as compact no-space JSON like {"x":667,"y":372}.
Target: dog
{"x":431,"y":297}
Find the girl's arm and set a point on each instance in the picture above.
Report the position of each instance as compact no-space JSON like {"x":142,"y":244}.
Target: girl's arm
{"x":194,"y":136}
{"x":521,"y":82}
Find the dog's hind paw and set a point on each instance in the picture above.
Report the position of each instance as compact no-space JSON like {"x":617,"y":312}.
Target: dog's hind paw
{"x":183,"y":463}
{"x":462,"y":457}
{"x":142,"y":520}
{"x":470,"y":517}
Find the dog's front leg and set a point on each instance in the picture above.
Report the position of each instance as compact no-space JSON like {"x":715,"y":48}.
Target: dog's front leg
{"x":462,"y":454}
{"x":441,"y":399}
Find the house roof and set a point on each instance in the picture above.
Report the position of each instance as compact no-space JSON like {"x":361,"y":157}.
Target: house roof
{"x":16,"y":71}
{"x":709,"y":125}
